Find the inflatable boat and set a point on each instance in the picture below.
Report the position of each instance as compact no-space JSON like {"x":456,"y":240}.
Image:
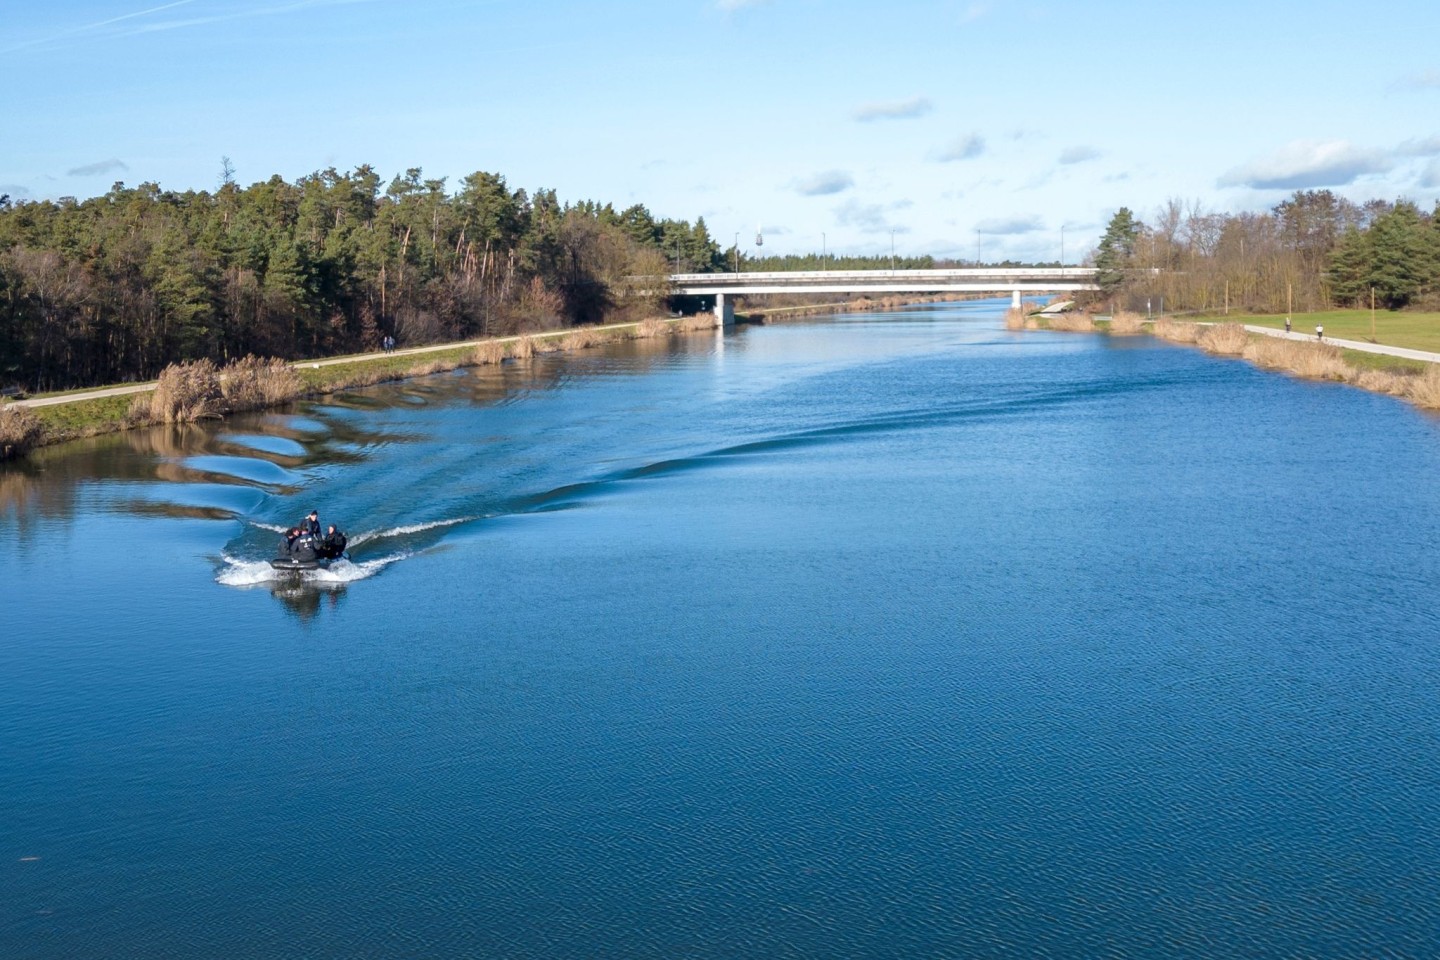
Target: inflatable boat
{"x":309,"y":551}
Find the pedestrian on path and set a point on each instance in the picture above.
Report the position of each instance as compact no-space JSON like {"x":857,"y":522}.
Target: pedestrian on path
{"x":1319,"y":331}
{"x":1287,"y":324}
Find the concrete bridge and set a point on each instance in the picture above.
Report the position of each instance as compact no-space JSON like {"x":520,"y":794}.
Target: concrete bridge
{"x":1015,"y":281}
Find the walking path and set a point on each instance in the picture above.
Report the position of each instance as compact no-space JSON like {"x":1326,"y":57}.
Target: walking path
{"x":130,"y":388}
{"x":1364,"y":346}
{"x":1422,"y":356}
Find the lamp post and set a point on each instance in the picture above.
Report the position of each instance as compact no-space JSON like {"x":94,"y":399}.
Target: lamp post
{"x":892,"y":251}
{"x":1062,"y":246}
{"x":737,"y":253}
{"x":822,"y":251}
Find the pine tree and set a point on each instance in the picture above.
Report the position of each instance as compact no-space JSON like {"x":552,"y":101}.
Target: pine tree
{"x":1117,"y":251}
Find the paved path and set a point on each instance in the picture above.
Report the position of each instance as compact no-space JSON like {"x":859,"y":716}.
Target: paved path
{"x":130,"y":388}
{"x":1363,"y":346}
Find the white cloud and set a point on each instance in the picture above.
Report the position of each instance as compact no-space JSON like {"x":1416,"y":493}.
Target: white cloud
{"x":963,"y":148}
{"x":867,"y":217}
{"x":1430,"y":177}
{"x":824,"y":183}
{"x":94,"y":169}
{"x":1010,"y":225}
{"x":1078,"y":154}
{"x":974,"y":12}
{"x":1307,"y":164}
{"x":15,"y":191}
{"x":893,"y":109}
{"x":1427,"y":147}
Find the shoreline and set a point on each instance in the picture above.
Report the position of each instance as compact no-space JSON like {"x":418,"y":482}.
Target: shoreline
{"x":82,"y":414}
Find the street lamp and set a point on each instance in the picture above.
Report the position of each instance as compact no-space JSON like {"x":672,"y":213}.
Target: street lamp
{"x":737,"y":253}
{"x":822,"y":251}
{"x":1062,"y":246}
{"x":892,"y":251}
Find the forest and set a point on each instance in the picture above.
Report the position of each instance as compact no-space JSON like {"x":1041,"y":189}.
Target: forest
{"x":116,"y":287}
{"x":1312,"y":251}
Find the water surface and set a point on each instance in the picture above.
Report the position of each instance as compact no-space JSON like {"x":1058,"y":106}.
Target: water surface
{"x":894,"y":635}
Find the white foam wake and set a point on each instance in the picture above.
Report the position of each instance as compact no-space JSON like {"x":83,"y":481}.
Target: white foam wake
{"x":369,"y":535}
{"x":250,"y":573}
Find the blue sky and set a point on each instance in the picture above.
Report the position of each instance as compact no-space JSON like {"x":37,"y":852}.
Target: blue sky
{"x":948,"y":122}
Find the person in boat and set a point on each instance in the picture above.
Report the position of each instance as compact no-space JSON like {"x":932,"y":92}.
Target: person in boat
{"x":333,"y":543}
{"x":311,"y":523}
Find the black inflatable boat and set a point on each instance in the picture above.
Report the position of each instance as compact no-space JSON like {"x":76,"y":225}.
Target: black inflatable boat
{"x":309,"y":552}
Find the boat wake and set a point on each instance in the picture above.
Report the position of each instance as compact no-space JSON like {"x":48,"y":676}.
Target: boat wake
{"x":237,"y":572}
{"x":407,"y":530}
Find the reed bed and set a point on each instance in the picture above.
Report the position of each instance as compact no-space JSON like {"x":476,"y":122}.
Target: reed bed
{"x":1423,"y":389}
{"x":650,"y":328}
{"x":1123,"y":323}
{"x":19,"y":431}
{"x":1316,"y":361}
{"x":523,"y":348}
{"x":1228,"y":339}
{"x":1383,"y":381}
{"x":1072,"y":322}
{"x":581,"y":339}
{"x":255,"y":383}
{"x":696,"y":323}
{"x":186,"y":392}
{"x":1015,"y":319}
{"x":1179,"y":331}
{"x":488,"y":353}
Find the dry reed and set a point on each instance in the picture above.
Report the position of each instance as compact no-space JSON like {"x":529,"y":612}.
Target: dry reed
{"x":1318,"y":361}
{"x":1015,"y":319}
{"x":581,"y":339}
{"x":650,"y":328}
{"x":1382,"y":381}
{"x":696,"y":323}
{"x":1123,"y":323}
{"x":488,"y":353}
{"x":1224,"y":338}
{"x":185,"y":392}
{"x":1072,"y":322}
{"x":523,"y":348}
{"x":20,"y":430}
{"x":1179,"y":331}
{"x":254,"y":384}
{"x":1423,"y":389}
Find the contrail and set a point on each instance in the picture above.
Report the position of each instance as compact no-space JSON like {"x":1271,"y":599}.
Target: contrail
{"x":98,"y":24}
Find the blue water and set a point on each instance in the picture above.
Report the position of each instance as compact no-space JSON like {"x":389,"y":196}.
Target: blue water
{"x":896,"y":635}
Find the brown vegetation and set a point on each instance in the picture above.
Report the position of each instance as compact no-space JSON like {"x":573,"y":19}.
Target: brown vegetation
{"x":1015,"y":319}
{"x":1124,"y":323}
{"x":1078,"y":322}
{"x":254,"y":384}
{"x":1423,"y":390}
{"x":488,"y":353}
{"x":1179,"y":331}
{"x":649,"y":328}
{"x":185,"y":392}
{"x":19,"y":431}
{"x":1224,"y":338}
{"x":1317,"y":361}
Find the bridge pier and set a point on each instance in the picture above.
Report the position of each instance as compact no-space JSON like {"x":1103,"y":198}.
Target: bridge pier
{"x":1015,"y":298}
{"x":724,"y":311}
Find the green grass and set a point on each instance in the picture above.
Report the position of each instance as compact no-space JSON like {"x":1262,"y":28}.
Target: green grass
{"x":84,"y":418}
{"x":1418,"y":331}
{"x":392,"y":367}
{"x":1379,"y":361}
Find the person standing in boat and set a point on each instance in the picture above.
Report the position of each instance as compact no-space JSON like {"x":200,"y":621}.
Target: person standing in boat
{"x":311,"y":523}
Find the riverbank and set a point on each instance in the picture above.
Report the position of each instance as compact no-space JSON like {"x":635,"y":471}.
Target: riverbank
{"x":780,"y":314}
{"x":49,"y":419}
{"x":1403,"y":372}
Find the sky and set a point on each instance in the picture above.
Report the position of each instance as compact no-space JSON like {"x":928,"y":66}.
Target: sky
{"x":943,"y":127}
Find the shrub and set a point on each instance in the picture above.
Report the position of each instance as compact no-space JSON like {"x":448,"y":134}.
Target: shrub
{"x":186,"y":392}
{"x":1015,"y":319}
{"x":20,"y":430}
{"x":523,"y":348}
{"x":1224,"y":338}
{"x":1123,"y":323}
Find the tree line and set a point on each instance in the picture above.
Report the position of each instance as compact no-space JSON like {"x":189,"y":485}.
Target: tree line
{"x":116,"y":287}
{"x":1312,"y":251}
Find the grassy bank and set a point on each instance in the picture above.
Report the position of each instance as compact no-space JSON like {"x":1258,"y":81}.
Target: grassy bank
{"x":1417,"y":331}
{"x":201,"y":391}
